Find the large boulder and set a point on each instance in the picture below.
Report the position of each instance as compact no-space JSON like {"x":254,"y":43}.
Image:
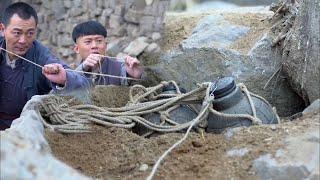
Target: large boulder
{"x":301,"y":54}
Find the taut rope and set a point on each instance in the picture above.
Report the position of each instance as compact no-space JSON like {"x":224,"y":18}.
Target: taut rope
{"x":72,"y":70}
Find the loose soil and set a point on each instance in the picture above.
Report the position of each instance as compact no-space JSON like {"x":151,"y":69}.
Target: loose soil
{"x":115,"y":153}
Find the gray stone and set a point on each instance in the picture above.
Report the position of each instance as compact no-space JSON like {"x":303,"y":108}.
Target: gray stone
{"x":312,"y":108}
{"x":77,"y":3}
{"x":115,"y":21}
{"x":143,"y":167}
{"x":153,"y":48}
{"x":299,"y":160}
{"x":119,"y":32}
{"x":214,"y":31}
{"x":111,"y":4}
{"x":67,"y":3}
{"x":107,"y":12}
{"x":96,"y":12}
{"x":75,"y":12}
{"x":146,"y":24}
{"x":115,"y":46}
{"x":119,"y":10}
{"x":65,"y":40}
{"x":301,"y":54}
{"x":100,"y":3}
{"x":59,"y":10}
{"x":156,"y":36}
{"x":133,"y":16}
{"x":136,"y":47}
{"x":92,"y":5}
{"x":133,"y":30}
{"x":237,"y":152}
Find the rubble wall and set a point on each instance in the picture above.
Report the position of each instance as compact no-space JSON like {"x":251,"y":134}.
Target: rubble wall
{"x":125,"y":20}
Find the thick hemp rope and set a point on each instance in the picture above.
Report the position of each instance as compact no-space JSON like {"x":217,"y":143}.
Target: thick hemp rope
{"x":79,"y":117}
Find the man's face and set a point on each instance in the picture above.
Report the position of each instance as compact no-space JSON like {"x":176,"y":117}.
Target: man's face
{"x":19,"y":34}
{"x":90,"y":44}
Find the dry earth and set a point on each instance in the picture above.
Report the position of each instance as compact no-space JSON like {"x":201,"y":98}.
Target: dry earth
{"x":114,"y":153}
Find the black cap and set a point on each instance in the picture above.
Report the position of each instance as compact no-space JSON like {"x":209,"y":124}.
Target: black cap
{"x":224,"y":86}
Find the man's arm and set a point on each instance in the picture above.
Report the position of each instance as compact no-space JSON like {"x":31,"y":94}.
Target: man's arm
{"x":55,"y":71}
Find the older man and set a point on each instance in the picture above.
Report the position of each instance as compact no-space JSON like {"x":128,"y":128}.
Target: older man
{"x":19,"y":79}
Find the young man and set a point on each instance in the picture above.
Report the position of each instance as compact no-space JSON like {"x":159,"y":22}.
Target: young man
{"x":19,"y":79}
{"x":90,"y":44}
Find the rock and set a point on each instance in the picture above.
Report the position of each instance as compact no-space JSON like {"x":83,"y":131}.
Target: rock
{"x":119,"y":10}
{"x":153,"y":48}
{"x":146,"y":24}
{"x":237,"y":152}
{"x":136,"y":47}
{"x":214,"y":31}
{"x":67,"y":3}
{"x":65,"y":40}
{"x":133,"y":16}
{"x":143,"y":167}
{"x":301,"y":54}
{"x":115,"y":46}
{"x":75,"y":11}
{"x":299,"y":159}
{"x":133,"y":30}
{"x":115,"y":21}
{"x":156,"y":36}
{"x":119,"y":32}
{"x":312,"y":108}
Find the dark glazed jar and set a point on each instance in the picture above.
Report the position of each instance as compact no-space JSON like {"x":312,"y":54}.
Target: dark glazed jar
{"x":229,"y":99}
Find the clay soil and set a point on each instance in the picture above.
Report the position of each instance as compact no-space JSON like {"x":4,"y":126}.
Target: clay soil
{"x":114,"y":153}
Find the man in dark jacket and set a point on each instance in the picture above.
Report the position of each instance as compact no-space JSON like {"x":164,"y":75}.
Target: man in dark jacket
{"x":19,"y":79}
{"x":90,"y":44}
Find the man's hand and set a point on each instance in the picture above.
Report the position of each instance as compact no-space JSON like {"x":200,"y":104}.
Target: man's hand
{"x":91,"y":62}
{"x":55,"y":73}
{"x":133,"y":67}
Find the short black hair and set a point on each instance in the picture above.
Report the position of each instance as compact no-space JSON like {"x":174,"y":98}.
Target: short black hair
{"x":88,"y":28}
{"x":24,"y":11}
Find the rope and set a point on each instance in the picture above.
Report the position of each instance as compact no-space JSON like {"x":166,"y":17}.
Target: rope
{"x":73,"y":70}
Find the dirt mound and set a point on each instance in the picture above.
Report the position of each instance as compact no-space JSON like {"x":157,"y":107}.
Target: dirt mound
{"x":114,"y":153}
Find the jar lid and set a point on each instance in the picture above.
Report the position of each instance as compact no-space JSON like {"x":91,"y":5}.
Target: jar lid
{"x":224,"y":86}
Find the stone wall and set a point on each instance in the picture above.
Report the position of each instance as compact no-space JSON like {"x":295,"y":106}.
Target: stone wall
{"x":133,"y":26}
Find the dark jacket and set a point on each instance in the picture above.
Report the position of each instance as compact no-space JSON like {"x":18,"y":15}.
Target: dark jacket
{"x":35,"y":83}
